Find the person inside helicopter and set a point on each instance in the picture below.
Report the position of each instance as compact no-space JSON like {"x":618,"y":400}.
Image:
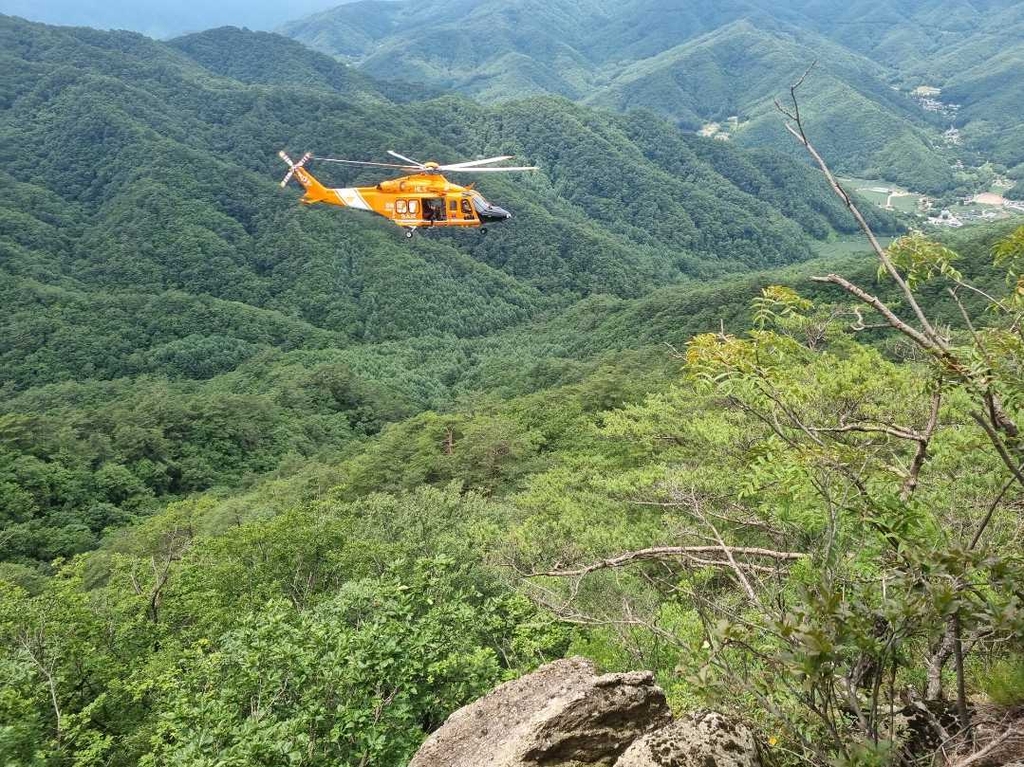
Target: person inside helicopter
{"x":433,"y":209}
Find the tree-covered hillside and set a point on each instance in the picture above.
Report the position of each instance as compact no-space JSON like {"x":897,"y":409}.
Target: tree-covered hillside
{"x":158,"y":18}
{"x":174,"y":321}
{"x":973,"y":51}
{"x":698,"y":63}
{"x":929,"y":39}
{"x":278,"y":486}
{"x":268,"y":59}
{"x":338,"y":615}
{"x":868,"y":128}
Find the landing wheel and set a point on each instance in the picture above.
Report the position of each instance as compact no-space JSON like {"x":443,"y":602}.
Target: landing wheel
{"x":409,"y":233}
{"x":483,"y":231}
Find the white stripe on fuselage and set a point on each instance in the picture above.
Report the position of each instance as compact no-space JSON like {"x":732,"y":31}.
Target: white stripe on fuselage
{"x":352,"y":198}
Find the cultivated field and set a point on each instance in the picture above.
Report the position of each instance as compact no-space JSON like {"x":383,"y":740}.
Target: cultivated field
{"x":883,"y":194}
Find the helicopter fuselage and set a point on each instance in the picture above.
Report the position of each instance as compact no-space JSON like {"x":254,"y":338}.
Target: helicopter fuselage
{"x":412,"y":202}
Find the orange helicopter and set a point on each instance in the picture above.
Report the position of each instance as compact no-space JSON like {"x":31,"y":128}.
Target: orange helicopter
{"x":423,"y":199}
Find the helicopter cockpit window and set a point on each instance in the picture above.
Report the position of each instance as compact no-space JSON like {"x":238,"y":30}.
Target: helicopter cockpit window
{"x":480,"y":203}
{"x":467,"y":209}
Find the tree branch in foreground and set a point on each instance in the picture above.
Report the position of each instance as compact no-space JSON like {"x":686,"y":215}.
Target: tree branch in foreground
{"x":675,"y":552}
{"x":796,"y":128}
{"x":926,"y":337}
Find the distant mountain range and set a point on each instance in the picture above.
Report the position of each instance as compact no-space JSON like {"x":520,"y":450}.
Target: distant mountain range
{"x":702,"y":63}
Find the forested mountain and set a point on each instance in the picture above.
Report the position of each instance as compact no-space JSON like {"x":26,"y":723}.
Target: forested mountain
{"x":973,"y":50}
{"x":929,"y":39}
{"x":860,"y":120}
{"x":371,"y":595}
{"x":698,"y":63}
{"x":268,"y":59}
{"x":278,"y":486}
{"x":493,"y":51}
{"x":153,"y":271}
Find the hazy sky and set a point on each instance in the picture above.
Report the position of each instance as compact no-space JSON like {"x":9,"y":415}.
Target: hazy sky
{"x":165,"y":18}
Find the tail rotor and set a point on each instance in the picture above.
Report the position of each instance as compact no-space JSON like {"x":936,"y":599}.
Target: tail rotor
{"x":293,"y":166}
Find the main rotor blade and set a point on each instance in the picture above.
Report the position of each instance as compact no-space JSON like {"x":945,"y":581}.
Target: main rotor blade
{"x":472,"y":163}
{"x":417,"y":163}
{"x":492,"y":170}
{"x":363,"y":162}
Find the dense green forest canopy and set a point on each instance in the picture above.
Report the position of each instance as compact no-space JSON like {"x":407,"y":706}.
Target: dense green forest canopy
{"x":698,"y":63}
{"x":175,"y":322}
{"x":278,"y":487}
{"x":400,"y":564}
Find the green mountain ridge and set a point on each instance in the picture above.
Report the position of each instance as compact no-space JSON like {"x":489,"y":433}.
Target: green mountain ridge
{"x":279,"y":486}
{"x":152,"y":268}
{"x":696,"y":63}
{"x":728,"y":72}
{"x":156,"y":18}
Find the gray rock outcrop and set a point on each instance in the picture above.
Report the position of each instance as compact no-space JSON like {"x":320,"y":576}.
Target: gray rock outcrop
{"x":564,"y":714}
{"x":699,"y":739}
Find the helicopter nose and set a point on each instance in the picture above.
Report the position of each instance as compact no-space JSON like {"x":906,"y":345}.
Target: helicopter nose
{"x":493,"y":214}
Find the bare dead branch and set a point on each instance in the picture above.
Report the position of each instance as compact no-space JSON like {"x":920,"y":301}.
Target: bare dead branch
{"x":910,"y":483}
{"x":872,"y":428}
{"x":988,"y":515}
{"x":967,"y":320}
{"x":916,"y":336}
{"x":751,"y":594}
{"x":794,"y":114}
{"x":800,"y":134}
{"x":685,"y":506}
{"x":789,"y":413}
{"x":981,"y":754}
{"x":669,"y":552}
{"x":991,"y":299}
{"x":46,"y":671}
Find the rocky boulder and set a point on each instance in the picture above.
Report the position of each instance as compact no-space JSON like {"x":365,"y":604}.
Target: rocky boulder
{"x":700,"y":739}
{"x":562,"y":715}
